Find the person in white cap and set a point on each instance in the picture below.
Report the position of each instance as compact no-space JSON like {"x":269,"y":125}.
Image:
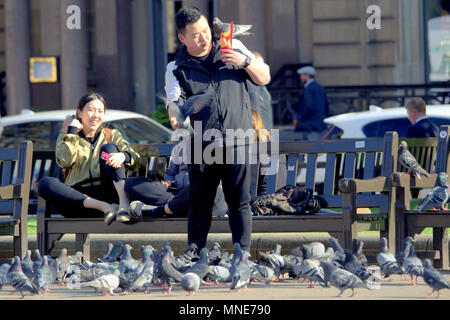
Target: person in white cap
{"x":313,"y":106}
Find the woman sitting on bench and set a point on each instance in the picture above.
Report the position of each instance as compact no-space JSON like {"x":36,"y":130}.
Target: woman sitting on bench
{"x":93,"y":160}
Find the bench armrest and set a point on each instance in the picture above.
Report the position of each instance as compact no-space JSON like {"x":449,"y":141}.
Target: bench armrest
{"x":12,"y":191}
{"x":401,"y":179}
{"x":377,"y":184}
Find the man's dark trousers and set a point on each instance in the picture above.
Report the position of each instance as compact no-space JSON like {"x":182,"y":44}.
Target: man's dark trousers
{"x":204,"y":179}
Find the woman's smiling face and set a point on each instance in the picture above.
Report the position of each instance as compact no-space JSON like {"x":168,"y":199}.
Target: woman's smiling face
{"x":92,"y":115}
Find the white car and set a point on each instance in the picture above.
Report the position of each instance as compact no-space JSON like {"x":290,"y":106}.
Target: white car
{"x":43,"y":128}
{"x":377,"y":121}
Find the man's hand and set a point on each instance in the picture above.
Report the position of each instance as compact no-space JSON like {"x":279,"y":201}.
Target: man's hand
{"x":172,"y":118}
{"x":232,"y":58}
{"x":116,"y":160}
{"x":295,"y":122}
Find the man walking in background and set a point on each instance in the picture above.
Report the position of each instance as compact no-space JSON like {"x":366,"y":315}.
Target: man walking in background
{"x":313,"y":106}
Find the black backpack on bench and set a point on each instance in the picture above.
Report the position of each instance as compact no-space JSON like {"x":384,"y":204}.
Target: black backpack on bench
{"x":289,"y":200}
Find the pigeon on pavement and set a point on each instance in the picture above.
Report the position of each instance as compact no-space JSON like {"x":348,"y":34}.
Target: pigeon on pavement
{"x":338,"y":258}
{"x":409,"y":162}
{"x":113,"y":254}
{"x":127,"y":263}
{"x":18,"y":280}
{"x":62,"y":265}
{"x":3,"y":274}
{"x":354,"y":266}
{"x":167,"y":271}
{"x":434,"y":278}
{"x":438,"y":197}
{"x":190,"y":282}
{"x":240,"y":273}
{"x":44,"y":276}
{"x":201,"y":267}
{"x":27,"y":265}
{"x":106,"y":283}
{"x":407,"y":243}
{"x":220,"y":27}
{"x":358,"y":246}
{"x":37,"y":260}
{"x":311,"y":269}
{"x":413,"y":265}
{"x":341,"y":279}
{"x":261,"y":273}
{"x":387,"y":261}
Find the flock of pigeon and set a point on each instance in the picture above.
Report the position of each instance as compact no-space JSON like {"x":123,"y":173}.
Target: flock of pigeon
{"x":118,"y":271}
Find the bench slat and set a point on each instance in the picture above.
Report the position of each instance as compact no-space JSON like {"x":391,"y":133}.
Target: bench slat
{"x":6,"y":172}
{"x":349,"y":167}
{"x":311,"y":165}
{"x":291,"y":169}
{"x":330,"y":169}
{"x":9,"y":154}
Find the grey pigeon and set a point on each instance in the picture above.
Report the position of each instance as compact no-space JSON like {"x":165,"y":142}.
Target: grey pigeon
{"x":288,"y":263}
{"x":37,"y":260}
{"x":109,"y":248}
{"x":354,"y":266}
{"x":3,"y":274}
{"x":274,"y":259}
{"x":240,"y":273}
{"x":193,"y":105}
{"x":62,"y":265}
{"x":144,"y":271}
{"x":167,"y":271}
{"x":218,"y":274}
{"x":409,"y":162}
{"x":190,"y":282}
{"x":407,"y":243}
{"x":114,"y":253}
{"x":358,"y":246}
{"x":18,"y":280}
{"x":338,"y":258}
{"x":313,"y":250}
{"x":434,"y":278}
{"x":413,"y":265}
{"x":216,"y":255}
{"x":127,"y":263}
{"x":387,"y":261}
{"x":341,"y":279}
{"x":438,"y":197}
{"x":311,"y":269}
{"x":105,"y":283}
{"x":27,"y":265}
{"x":261,"y":273}
{"x":44,"y":276}
{"x":201,"y":266}
{"x":220,"y":27}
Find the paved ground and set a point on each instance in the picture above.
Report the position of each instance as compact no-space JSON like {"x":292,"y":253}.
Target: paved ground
{"x":286,"y":290}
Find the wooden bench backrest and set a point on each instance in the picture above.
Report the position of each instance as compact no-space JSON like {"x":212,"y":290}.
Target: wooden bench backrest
{"x":350,"y":158}
{"x":15,"y":169}
{"x":424,"y":150}
{"x":443,"y":150}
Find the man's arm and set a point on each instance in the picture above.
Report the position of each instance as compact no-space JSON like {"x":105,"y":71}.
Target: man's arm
{"x":173,"y":92}
{"x":258,"y":71}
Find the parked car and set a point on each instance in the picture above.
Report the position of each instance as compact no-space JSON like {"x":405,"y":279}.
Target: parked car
{"x":377,"y":121}
{"x":43,"y":128}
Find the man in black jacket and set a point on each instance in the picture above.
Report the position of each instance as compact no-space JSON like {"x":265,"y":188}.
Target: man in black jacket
{"x":199,"y":66}
{"x":421,"y":127}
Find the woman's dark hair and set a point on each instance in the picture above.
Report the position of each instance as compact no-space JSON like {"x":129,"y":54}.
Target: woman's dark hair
{"x":88,"y":98}
{"x":185,"y":16}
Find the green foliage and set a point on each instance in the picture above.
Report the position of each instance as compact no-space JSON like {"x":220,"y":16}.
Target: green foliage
{"x":160,"y":115}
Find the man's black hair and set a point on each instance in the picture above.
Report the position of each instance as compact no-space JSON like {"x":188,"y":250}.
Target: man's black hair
{"x":185,"y":16}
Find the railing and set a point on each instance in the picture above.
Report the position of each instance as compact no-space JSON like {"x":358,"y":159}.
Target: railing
{"x":344,"y":99}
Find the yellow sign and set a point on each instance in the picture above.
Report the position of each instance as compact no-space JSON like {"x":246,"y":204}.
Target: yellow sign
{"x":43,"y":69}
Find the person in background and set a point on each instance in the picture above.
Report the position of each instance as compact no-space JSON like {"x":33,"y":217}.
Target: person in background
{"x":421,"y":126}
{"x":93,"y":160}
{"x":260,"y":99}
{"x":313,"y":106}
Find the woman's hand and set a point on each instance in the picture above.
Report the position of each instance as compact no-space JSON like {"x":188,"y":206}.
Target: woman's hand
{"x":116,"y":160}
{"x":232,"y":58}
{"x":70,"y":121}
{"x":167,"y":183}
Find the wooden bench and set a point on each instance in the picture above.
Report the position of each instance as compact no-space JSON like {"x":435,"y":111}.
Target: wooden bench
{"x":365,"y":166}
{"x":410,"y":223}
{"x":15,"y":171}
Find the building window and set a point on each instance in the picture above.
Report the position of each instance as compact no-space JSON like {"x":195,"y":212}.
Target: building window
{"x":437,"y":30}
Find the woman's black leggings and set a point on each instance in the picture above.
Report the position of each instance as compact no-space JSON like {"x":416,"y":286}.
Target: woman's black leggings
{"x":68,"y":200}
{"x":155,"y":193}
